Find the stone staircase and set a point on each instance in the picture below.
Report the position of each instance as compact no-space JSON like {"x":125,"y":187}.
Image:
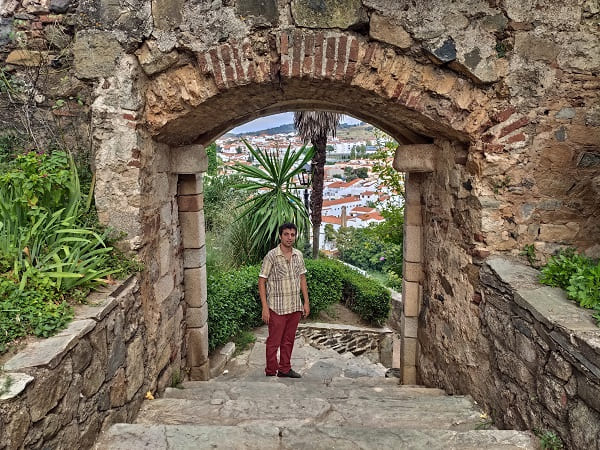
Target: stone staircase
{"x":342,"y":402}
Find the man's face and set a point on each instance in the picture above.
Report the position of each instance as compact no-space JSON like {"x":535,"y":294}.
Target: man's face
{"x":288,"y":237}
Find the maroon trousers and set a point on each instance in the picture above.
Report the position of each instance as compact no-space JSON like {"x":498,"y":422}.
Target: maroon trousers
{"x":282,"y":332}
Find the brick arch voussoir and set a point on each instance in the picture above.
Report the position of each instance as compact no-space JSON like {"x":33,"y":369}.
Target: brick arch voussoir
{"x":434,"y":100}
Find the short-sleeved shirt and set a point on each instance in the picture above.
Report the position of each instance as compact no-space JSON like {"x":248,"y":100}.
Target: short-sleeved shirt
{"x":283,"y":280}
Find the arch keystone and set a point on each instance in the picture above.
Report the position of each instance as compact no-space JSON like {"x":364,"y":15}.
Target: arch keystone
{"x":415,"y":158}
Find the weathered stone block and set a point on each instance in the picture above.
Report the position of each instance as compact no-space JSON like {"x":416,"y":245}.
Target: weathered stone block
{"x":559,"y":367}
{"x":413,"y":271}
{"x":192,"y":228}
{"x":167,"y":14}
{"x":195,"y":286}
{"x":197,"y":346}
{"x":48,"y":389}
{"x":409,"y":375}
{"x":388,"y":30}
{"x":27,"y":58}
{"x":190,"y":202}
{"x":194,"y":257}
{"x":413,"y":214}
{"x":261,"y":12}
{"x":189,"y":184}
{"x":340,"y":14}
{"x":584,"y":424}
{"x":153,"y":60}
{"x":189,"y":159}
{"x":196,"y":317}
{"x":413,"y":243}
{"x":135,"y":374}
{"x":410,"y":326}
{"x":559,"y":233}
{"x":411,"y":298}
{"x":96,"y":53}
{"x":416,"y":158}
{"x":200,"y":373}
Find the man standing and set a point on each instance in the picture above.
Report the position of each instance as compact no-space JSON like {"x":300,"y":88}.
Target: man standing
{"x":282,"y":278}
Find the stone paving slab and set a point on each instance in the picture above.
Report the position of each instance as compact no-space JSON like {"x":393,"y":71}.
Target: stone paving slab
{"x":296,"y":388}
{"x":455,"y":413}
{"x":269,"y":437}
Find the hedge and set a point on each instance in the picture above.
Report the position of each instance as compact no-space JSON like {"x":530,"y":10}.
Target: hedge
{"x":366,"y":297}
{"x":234,"y":304}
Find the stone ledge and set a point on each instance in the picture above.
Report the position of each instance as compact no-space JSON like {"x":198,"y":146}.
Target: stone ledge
{"x":342,"y":327}
{"x":50,"y":351}
{"x":18,"y":383}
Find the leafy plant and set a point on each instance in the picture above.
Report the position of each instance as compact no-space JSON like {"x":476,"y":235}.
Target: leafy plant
{"x":549,"y":439}
{"x":578,"y":275}
{"x":272,"y":199}
{"x":529,"y":253}
{"x":324,"y":284}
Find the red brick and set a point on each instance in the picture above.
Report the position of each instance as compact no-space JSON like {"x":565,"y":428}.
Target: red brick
{"x":284,"y":44}
{"x":216,"y":65}
{"x":297,"y":58}
{"x":52,"y":18}
{"x":330,"y":56}
{"x":202,"y":63}
{"x":478,"y":237}
{"x":237,"y":62}
{"x":514,"y":126}
{"x":353,"y":55}
{"x":398,"y":90}
{"x":319,"y":43}
{"x":493,"y":148}
{"x":225,"y":54}
{"x":516,"y":138}
{"x":309,"y":50}
{"x":503,"y":115}
{"x":368,"y":55}
{"x":36,"y":25}
{"x":413,"y":100}
{"x":247,"y":50}
{"x":341,"y":64}
{"x":476,"y":298}
{"x":128,"y":116}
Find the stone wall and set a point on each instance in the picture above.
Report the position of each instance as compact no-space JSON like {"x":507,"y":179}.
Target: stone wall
{"x":543,"y":357}
{"x":69,"y":387}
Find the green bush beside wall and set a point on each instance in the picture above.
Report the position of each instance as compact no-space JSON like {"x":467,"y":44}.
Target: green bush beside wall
{"x":234,"y":304}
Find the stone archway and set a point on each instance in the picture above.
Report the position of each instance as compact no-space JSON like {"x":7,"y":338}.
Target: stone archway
{"x":426,"y":108}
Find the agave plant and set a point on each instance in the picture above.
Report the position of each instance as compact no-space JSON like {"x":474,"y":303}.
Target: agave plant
{"x":272,"y":200}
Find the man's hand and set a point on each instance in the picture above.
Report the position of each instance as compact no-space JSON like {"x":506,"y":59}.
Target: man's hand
{"x":306,"y":309}
{"x":265,"y":315}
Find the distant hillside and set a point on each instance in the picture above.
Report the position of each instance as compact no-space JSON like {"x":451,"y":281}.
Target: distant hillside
{"x":289,"y":128}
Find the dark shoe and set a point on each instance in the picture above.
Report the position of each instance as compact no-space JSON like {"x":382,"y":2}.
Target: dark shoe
{"x":290,"y":374}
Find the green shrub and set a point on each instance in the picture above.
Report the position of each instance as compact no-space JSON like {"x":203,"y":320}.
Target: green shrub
{"x":560,"y":268}
{"x":233,"y":304}
{"x":578,"y":275}
{"x":324,"y":282}
{"x":366,"y":297}
{"x":24,"y":312}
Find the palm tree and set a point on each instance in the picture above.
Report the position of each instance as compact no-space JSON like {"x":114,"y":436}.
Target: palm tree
{"x":314,"y":127}
{"x":272,"y":200}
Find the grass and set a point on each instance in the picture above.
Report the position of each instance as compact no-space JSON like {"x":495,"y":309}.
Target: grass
{"x":243,"y":340}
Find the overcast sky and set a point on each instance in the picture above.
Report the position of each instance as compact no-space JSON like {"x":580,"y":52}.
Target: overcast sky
{"x":278,"y":119}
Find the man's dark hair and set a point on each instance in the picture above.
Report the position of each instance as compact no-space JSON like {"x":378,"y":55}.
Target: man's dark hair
{"x":287,"y":226}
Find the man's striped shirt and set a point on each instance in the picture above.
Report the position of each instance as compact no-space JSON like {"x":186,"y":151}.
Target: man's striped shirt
{"x":283,"y":280}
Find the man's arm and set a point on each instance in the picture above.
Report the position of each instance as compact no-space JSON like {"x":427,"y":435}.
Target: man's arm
{"x":304,"y":289}
{"x":262,"y":292}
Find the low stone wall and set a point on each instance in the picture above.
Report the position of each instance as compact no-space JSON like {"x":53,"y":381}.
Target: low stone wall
{"x":376,"y":344}
{"x":544,"y":356}
{"x":67,"y":388}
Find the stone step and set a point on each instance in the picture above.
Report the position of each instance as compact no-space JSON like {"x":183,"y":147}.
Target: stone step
{"x":454,"y":413}
{"x":270,"y":437}
{"x":336,"y":389}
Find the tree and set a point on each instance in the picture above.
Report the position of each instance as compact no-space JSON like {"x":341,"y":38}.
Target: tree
{"x":213,"y":159}
{"x":272,"y":200}
{"x":315,"y":127}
